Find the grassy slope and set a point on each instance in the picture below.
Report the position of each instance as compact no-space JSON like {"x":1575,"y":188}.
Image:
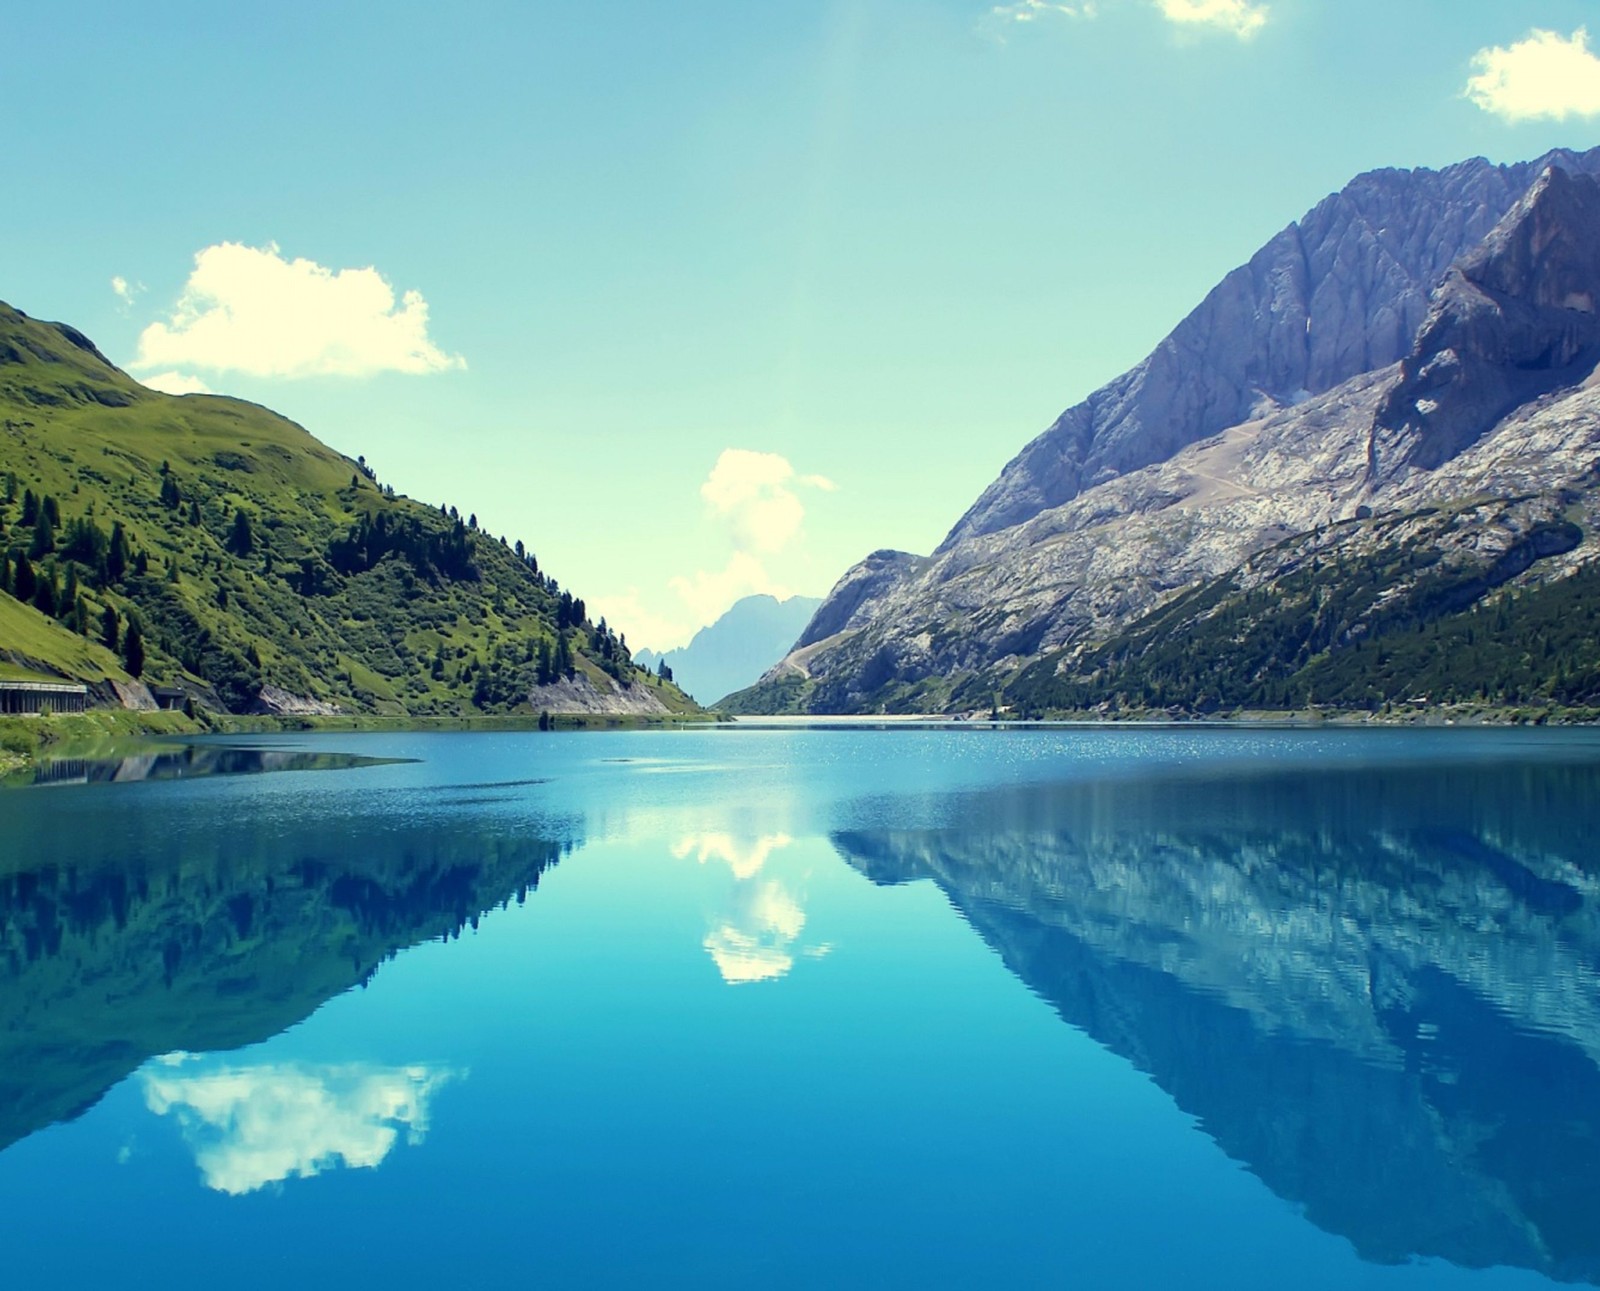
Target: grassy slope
{"x":74,"y":427}
{"x":38,"y":648}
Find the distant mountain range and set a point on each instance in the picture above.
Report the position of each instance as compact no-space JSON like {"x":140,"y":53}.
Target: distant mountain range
{"x":212,"y":546}
{"x":1362,"y":472}
{"x":733,"y":652}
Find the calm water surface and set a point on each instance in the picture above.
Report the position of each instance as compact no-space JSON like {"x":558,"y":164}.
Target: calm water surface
{"x":1099,"y":1008}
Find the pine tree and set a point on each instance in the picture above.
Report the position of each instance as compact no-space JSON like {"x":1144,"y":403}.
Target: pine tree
{"x":117,"y":554}
{"x":241,"y":542}
{"x":44,"y":536}
{"x":24,"y":582}
{"x":133,"y":649}
{"x":110,"y":628}
{"x":45,"y":595}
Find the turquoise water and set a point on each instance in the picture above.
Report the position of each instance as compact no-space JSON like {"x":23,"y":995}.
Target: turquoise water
{"x":1097,"y":1008}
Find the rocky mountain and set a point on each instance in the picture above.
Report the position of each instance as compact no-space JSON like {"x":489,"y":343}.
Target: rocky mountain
{"x":733,"y":652}
{"x":212,"y":546}
{"x":1420,"y":343}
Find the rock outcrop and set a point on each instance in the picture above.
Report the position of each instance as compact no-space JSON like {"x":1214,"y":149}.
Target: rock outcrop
{"x":281,"y":703}
{"x":578,"y":694}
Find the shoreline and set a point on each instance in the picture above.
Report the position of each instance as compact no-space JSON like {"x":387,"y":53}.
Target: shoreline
{"x":24,"y":740}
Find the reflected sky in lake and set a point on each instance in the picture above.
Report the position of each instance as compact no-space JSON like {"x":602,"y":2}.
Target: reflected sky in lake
{"x":1127,"y":1007}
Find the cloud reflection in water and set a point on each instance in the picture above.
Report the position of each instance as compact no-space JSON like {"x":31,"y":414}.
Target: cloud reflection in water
{"x":756,"y":938}
{"x":253,"y":1126}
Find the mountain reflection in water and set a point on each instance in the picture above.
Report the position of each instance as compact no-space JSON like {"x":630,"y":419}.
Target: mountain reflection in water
{"x":1376,"y":989}
{"x":161,"y":936}
{"x":187,"y":761}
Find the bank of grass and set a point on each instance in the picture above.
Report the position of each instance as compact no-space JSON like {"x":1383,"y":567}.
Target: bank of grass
{"x":489,"y":722}
{"x":114,"y":732}
{"x":36,"y":648}
{"x":99,"y":732}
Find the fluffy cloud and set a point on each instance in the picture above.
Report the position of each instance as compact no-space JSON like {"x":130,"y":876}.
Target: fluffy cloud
{"x":252,"y":1126}
{"x":707,"y":593}
{"x":755,"y":492}
{"x":1544,"y":75}
{"x":175,"y":383}
{"x":250,"y":310}
{"x":1239,"y":17}
{"x":757,"y":496}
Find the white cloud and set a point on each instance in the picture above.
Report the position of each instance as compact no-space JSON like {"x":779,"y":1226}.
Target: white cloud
{"x":250,"y":310}
{"x":252,"y":1126}
{"x":707,"y":594}
{"x":757,"y":496}
{"x":1029,"y":10}
{"x":754,"y":492}
{"x":1544,"y":75}
{"x":175,"y":383}
{"x":1238,"y":17}
{"x":124,"y":290}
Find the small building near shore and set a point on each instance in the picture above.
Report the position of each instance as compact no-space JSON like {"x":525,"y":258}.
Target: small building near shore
{"x":30,"y":698}
{"x":169,"y":697}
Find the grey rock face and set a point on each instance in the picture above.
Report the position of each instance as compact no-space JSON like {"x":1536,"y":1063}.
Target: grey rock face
{"x":863,"y":586}
{"x":1339,"y":293}
{"x":1318,"y":384}
{"x":1512,"y":321}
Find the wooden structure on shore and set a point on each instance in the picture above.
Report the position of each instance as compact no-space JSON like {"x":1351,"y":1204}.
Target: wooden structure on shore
{"x":35,"y":697}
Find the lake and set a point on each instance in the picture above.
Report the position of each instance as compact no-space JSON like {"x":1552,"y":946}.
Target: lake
{"x":1096,"y":1007}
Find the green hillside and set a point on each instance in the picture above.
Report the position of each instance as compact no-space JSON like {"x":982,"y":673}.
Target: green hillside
{"x":209,"y":543}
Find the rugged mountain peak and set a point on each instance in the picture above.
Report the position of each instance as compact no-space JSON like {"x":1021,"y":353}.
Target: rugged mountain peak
{"x":1421,"y":344}
{"x":1341,"y":292}
{"x":1513,"y":320}
{"x":1545,"y":249}
{"x":855,"y":595}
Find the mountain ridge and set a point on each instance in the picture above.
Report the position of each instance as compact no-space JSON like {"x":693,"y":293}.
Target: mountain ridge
{"x":951,"y":631}
{"x":208,"y":544}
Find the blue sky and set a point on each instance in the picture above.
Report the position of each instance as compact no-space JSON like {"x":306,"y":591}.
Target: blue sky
{"x":707,"y":298}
